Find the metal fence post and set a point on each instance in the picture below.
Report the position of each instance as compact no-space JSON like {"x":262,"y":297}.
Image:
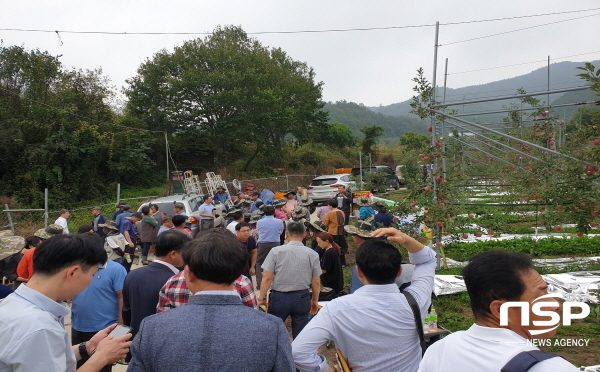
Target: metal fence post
{"x":287,"y":183}
{"x":10,"y":223}
{"x":45,"y":208}
{"x":118,"y":193}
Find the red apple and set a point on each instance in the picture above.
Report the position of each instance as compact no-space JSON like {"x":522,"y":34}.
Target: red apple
{"x":478,"y":234}
{"x":579,"y":234}
{"x":597,"y":142}
{"x":557,"y":228}
{"x":471,"y":216}
{"x":438,"y":244}
{"x":430,"y":129}
{"x":465,"y":236}
{"x":593,"y":224}
{"x":440,"y":224}
{"x":490,"y":232}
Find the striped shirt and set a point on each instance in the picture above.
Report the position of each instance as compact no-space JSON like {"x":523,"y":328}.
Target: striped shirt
{"x":374,"y":327}
{"x":294,"y":266}
{"x":175,"y":293}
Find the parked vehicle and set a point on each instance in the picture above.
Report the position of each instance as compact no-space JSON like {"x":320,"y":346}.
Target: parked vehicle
{"x":387,"y":173}
{"x":191,"y":202}
{"x":323,"y":188}
{"x":400,"y":175}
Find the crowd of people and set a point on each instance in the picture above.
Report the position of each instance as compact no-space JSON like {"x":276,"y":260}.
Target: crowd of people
{"x":195,"y":306}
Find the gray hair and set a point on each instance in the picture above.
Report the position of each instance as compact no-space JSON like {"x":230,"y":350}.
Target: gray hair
{"x":295,"y":228}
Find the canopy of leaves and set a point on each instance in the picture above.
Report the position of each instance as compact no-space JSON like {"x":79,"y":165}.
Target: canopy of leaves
{"x":225,"y":91}
{"x":56,"y":132}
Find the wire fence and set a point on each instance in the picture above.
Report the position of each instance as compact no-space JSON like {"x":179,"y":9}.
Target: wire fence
{"x":24,"y":222}
{"x":279,"y":183}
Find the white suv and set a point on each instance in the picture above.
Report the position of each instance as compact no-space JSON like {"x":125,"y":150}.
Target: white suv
{"x":324,"y":188}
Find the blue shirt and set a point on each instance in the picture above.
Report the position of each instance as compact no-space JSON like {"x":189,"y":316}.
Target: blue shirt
{"x":206,"y":209}
{"x":221,"y":198}
{"x":120,"y":217}
{"x":32,"y":333}
{"x":127,"y":225}
{"x":382,"y":220}
{"x":269,"y":229}
{"x":365,"y":212}
{"x":97,"y":306}
{"x":253,"y":206}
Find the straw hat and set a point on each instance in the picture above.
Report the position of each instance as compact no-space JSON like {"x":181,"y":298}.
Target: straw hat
{"x":305,"y":202}
{"x":363,"y":201}
{"x":109,"y":225}
{"x":360,"y":228}
{"x":319,"y":226}
{"x":279,"y":203}
{"x":299,"y":212}
{"x":49,"y":231}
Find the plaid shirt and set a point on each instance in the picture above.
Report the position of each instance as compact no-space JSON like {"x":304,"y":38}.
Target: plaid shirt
{"x":175,"y":293}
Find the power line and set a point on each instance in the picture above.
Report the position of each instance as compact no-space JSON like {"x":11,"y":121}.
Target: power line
{"x":524,"y":63}
{"x":512,"y":90}
{"x":519,"y":29}
{"x":77,"y":115}
{"x":301,"y":31}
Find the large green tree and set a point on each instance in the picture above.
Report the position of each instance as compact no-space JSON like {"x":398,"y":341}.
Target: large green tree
{"x":369,"y":141}
{"x":225,"y":91}
{"x":57,"y":131}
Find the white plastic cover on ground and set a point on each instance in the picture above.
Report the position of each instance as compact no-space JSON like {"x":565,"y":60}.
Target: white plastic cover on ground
{"x":575,"y":286}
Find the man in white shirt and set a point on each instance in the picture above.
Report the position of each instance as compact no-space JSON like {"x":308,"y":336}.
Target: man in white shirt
{"x":238,"y":217}
{"x":493,"y":278}
{"x":374,"y":327}
{"x":32,"y":318}
{"x":62,"y":220}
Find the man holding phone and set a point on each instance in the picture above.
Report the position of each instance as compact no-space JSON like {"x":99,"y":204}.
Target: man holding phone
{"x":32,"y":331}
{"x":99,"y":305}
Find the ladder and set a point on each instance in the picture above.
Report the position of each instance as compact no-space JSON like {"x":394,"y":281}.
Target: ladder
{"x":213,"y":181}
{"x":191,"y":183}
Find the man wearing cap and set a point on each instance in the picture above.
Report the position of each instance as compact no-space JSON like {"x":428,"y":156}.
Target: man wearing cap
{"x":129,"y":231}
{"x":126,"y":213}
{"x":374,"y":327}
{"x":118,"y":211}
{"x":207,"y":216}
{"x":289,"y":271}
{"x":221,"y":196}
{"x":62,"y":220}
{"x":255,"y":198}
{"x":269,"y":233}
{"x":99,"y":219}
{"x":25,"y":267}
{"x":115,"y":242}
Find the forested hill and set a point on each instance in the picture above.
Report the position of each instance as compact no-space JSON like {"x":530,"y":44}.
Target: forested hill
{"x":356,"y":116}
{"x":562,"y":75}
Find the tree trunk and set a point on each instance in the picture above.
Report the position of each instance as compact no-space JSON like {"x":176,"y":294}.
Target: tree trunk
{"x":251,"y":158}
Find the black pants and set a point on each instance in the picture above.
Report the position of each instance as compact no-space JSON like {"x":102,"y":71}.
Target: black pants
{"x":79,"y":337}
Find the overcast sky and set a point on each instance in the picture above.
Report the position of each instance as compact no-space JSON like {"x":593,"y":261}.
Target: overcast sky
{"x":370,"y":67}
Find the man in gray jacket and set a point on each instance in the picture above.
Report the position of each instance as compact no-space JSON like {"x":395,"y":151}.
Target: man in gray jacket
{"x":214,"y":331}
